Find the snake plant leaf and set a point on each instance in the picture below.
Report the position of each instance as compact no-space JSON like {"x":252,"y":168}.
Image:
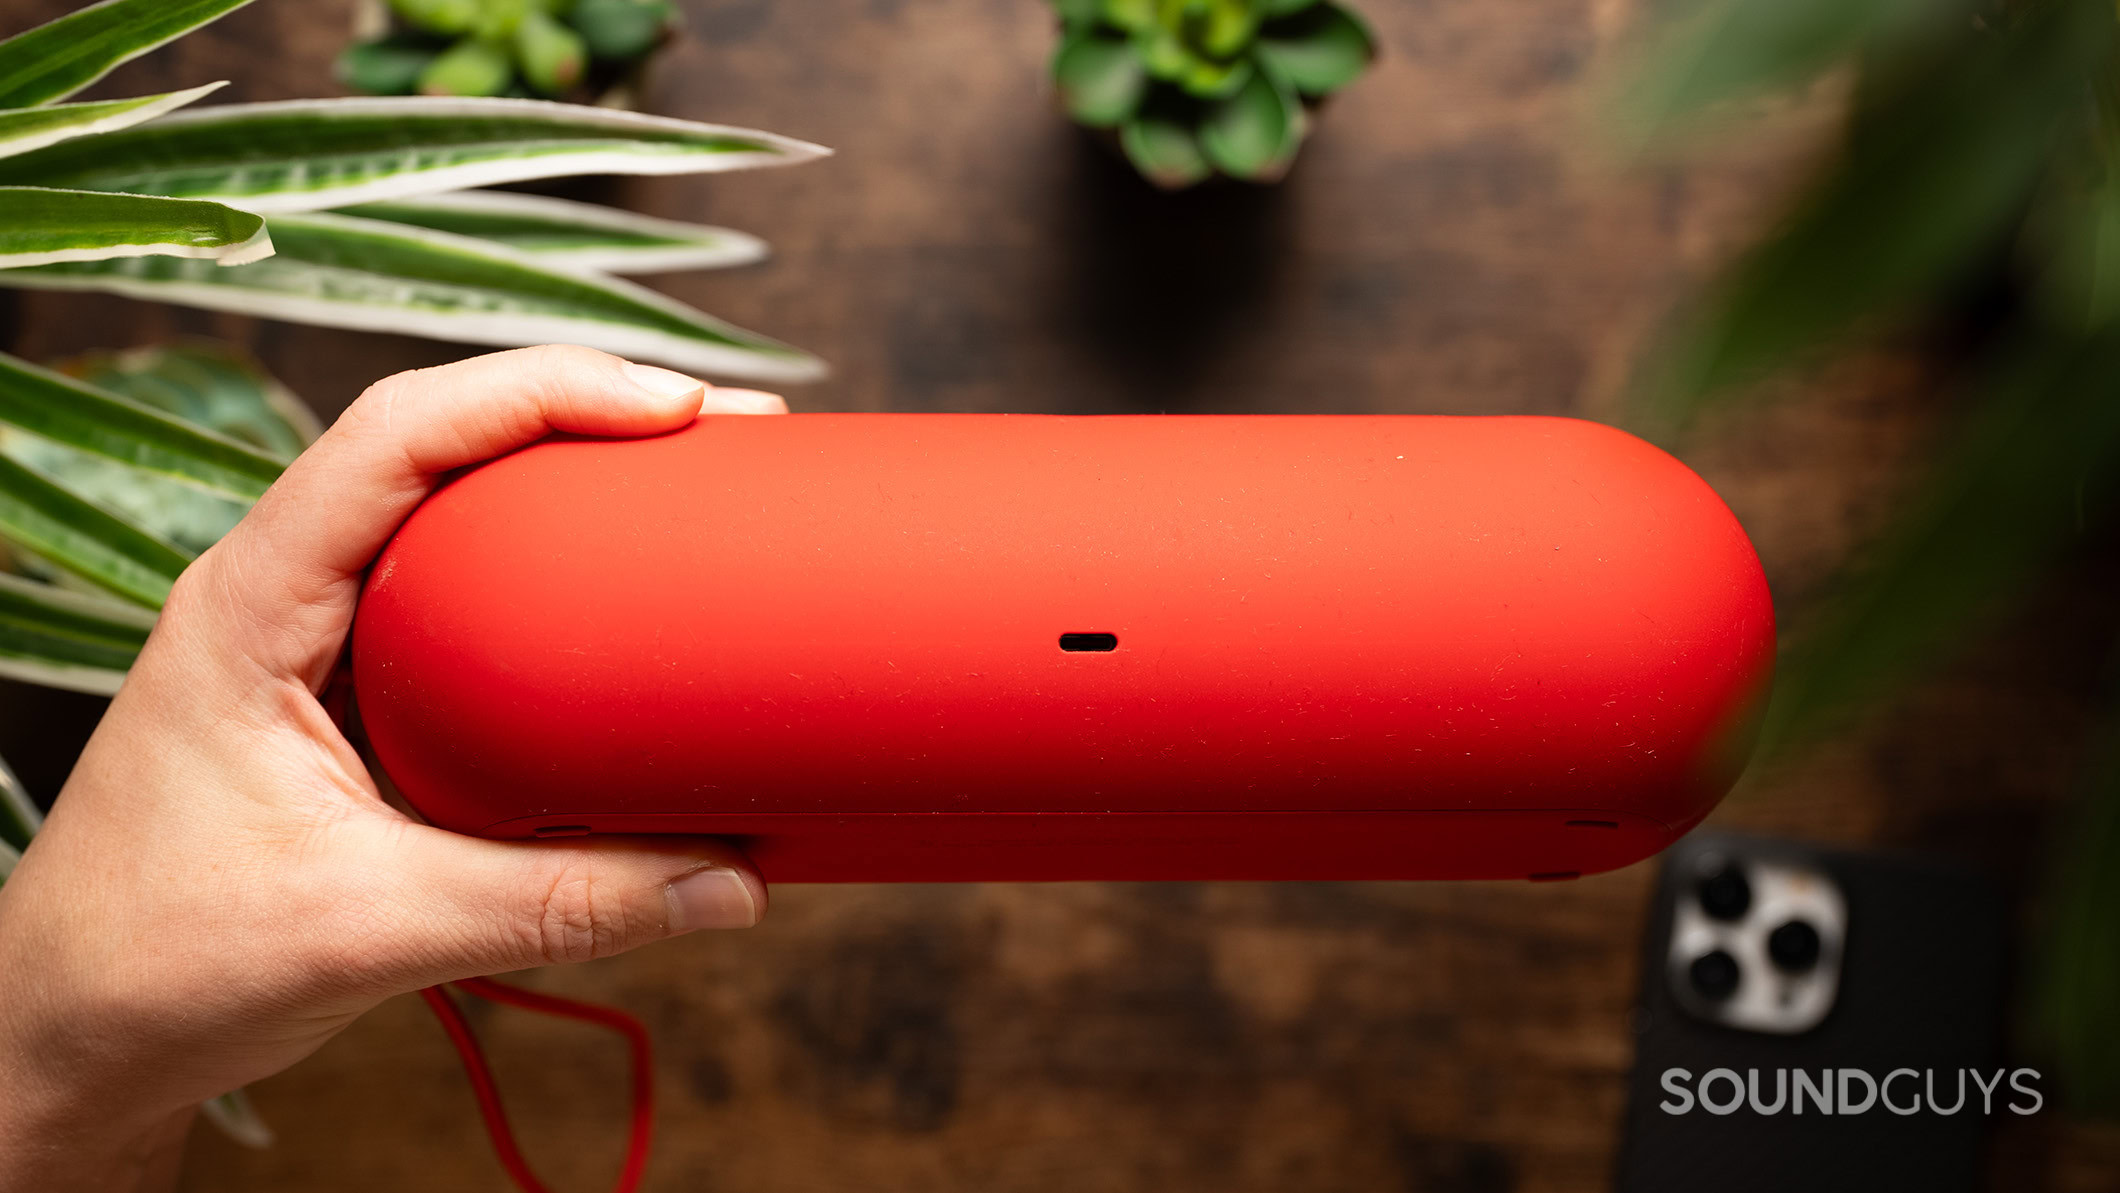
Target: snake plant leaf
{"x":1970,"y":136}
{"x":65,"y":411}
{"x":1101,"y":79}
{"x":68,"y":531}
{"x":209,"y":385}
{"x":343,"y":271}
{"x":25,"y":129}
{"x":59,"y":638}
{"x":19,"y":817}
{"x":2076,"y":981}
{"x":1321,"y":50}
{"x":1164,"y":151}
{"x":1717,"y":53}
{"x":305,"y":155}
{"x":56,"y":59}
{"x":1254,"y":134}
{"x":44,"y":225}
{"x":570,"y":234}
{"x":2008,"y":498}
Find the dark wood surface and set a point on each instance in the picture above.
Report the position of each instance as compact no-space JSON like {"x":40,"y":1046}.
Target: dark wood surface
{"x":1453,"y":240}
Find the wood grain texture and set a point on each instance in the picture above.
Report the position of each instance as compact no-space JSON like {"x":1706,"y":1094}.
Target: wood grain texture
{"x":1451,"y":241}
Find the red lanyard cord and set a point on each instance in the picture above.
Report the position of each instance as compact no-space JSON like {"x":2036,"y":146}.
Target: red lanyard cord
{"x":488,"y":1093}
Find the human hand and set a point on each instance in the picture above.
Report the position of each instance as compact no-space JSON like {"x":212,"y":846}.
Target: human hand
{"x":220,"y":887}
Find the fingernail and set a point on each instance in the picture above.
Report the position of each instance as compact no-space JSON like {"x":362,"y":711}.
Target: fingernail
{"x":715,"y":897}
{"x":663,"y":383}
{"x":745,"y":401}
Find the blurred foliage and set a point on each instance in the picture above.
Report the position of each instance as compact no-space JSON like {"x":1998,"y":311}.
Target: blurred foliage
{"x":201,"y":381}
{"x":1978,"y":157}
{"x":1192,"y":87}
{"x":526,"y":48}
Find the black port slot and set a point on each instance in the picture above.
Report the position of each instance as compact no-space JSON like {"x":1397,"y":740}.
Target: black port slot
{"x":1089,"y":642}
{"x":1593,"y":824}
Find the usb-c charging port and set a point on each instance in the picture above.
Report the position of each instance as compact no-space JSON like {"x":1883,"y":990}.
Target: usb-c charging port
{"x":1089,"y":642}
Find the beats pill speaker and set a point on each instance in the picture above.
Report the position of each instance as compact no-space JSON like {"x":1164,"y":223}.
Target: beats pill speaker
{"x":919,"y":647}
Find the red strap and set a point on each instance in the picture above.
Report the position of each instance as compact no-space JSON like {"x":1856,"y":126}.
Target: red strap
{"x":488,"y":1092}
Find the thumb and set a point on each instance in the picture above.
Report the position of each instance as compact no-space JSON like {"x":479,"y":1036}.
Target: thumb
{"x":469,"y":907}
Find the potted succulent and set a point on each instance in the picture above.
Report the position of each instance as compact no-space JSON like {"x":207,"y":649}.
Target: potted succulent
{"x":585,"y":50}
{"x":1192,"y":88}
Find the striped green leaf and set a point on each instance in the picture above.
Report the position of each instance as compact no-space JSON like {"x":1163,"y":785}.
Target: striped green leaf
{"x":343,"y":271}
{"x":41,"y":226}
{"x":25,"y":129}
{"x":19,"y":817}
{"x":55,"y":60}
{"x":78,"y":415}
{"x":72,"y":533}
{"x":577,"y":235}
{"x":64,"y":639}
{"x":304,"y":155}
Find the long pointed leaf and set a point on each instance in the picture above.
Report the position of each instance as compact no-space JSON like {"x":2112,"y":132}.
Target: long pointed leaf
{"x":2009,"y":497}
{"x":2078,"y":972}
{"x":69,"y":412}
{"x":70,"y":532}
{"x":1707,"y":55}
{"x":10,"y":857}
{"x":42,"y":226}
{"x":576,"y":235}
{"x":304,"y":155}
{"x":64,"y":639}
{"x":341,"y":271}
{"x":19,"y":817}
{"x":1932,"y":180}
{"x":55,"y":60}
{"x":25,"y":129}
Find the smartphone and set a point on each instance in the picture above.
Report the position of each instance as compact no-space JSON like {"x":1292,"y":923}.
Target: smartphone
{"x":1817,"y":1020}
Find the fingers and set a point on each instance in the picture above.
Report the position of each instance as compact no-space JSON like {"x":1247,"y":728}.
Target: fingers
{"x":464,"y":907}
{"x":291,"y":567}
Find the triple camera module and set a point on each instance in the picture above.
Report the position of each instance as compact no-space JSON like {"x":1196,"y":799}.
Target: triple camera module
{"x":1756,"y":943}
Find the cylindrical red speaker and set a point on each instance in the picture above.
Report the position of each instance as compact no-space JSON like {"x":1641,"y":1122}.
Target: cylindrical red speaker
{"x":876,"y":647}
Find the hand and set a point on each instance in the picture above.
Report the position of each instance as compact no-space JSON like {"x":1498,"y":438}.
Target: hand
{"x":220,"y":888}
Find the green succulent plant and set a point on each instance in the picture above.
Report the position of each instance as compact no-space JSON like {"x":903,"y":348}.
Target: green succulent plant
{"x":1193,"y":87}
{"x":523,"y":48}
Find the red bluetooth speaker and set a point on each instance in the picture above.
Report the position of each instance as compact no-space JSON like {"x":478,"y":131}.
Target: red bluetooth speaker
{"x":921,"y":647}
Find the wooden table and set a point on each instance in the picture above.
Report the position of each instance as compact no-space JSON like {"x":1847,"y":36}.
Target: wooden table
{"x":1453,"y":240}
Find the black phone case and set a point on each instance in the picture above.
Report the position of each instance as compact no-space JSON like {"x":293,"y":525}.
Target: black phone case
{"x":1921,"y":987}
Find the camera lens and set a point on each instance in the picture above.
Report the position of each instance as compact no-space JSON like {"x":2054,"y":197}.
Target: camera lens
{"x":1794,"y":946}
{"x":1723,"y":891}
{"x":1714,"y":975}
